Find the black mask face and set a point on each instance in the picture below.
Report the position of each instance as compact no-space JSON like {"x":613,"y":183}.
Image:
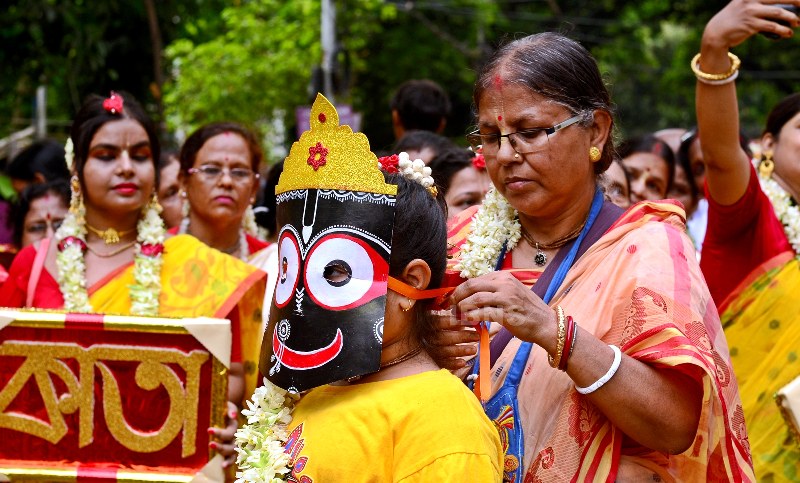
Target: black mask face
{"x":326,"y":319}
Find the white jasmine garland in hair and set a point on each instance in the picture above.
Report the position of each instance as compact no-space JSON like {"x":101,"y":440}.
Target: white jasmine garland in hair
{"x":495,"y":222}
{"x":69,"y":153}
{"x":788,"y":214}
{"x":415,"y":170}
{"x":260,"y":442}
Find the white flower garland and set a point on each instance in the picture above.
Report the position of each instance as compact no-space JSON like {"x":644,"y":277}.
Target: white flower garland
{"x":71,"y":238}
{"x":260,"y":442}
{"x":148,"y":259}
{"x":495,"y":223}
{"x":788,"y":214}
{"x":147,"y":263}
{"x":71,"y":265}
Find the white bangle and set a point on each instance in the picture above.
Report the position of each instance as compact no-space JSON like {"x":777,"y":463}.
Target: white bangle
{"x":720,"y":82}
{"x":608,"y":375}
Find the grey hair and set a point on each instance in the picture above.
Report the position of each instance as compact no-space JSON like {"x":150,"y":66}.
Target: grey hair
{"x":557,"y":68}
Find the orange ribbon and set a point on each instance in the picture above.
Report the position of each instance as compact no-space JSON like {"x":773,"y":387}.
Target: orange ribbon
{"x":440,"y":294}
{"x":483,"y":385}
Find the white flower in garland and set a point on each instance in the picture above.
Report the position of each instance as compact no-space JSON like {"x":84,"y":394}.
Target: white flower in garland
{"x":71,"y":237}
{"x":495,"y":222}
{"x":147,"y":262}
{"x":260,"y":442}
{"x":788,"y":214}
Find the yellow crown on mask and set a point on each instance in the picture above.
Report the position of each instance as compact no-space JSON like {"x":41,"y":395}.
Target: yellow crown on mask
{"x":330,"y":156}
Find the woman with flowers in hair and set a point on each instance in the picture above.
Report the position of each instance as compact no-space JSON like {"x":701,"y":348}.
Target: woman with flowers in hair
{"x":613,"y":367}
{"x":750,"y":252}
{"x":112,"y":255}
{"x":219,"y":172}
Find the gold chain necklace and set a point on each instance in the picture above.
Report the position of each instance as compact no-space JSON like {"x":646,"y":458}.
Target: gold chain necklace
{"x":110,"y":235}
{"x":540,"y":259}
{"x":397,"y":360}
{"x":112,"y":252}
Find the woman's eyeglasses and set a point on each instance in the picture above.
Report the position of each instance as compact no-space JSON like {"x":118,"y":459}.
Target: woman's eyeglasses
{"x":212,"y":172}
{"x":523,"y":142}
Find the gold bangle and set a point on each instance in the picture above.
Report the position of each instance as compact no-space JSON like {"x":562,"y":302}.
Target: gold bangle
{"x":562,"y":335}
{"x":735,"y":64}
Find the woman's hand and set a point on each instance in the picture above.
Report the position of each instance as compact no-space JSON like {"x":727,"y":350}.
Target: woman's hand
{"x":741,"y":19}
{"x":499,"y":297}
{"x":222,"y":441}
{"x":452,"y":344}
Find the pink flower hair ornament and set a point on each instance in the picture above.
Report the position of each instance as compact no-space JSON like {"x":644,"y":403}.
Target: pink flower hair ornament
{"x":114,"y":103}
{"x":479,"y":162}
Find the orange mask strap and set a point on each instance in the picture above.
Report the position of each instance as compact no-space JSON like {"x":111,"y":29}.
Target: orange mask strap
{"x":406,"y":290}
{"x":483,"y":387}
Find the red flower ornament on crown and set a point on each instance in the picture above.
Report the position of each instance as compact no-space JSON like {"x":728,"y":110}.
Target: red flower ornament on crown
{"x":314,"y":161}
{"x":389,"y":163}
{"x":114,"y":103}
{"x":479,"y":162}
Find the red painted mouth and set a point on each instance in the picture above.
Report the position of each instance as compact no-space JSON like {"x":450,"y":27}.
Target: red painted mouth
{"x":300,"y":360}
{"x":126,"y":188}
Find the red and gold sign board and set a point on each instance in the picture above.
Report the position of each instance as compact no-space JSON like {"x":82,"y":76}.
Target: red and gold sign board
{"x":87,"y":397}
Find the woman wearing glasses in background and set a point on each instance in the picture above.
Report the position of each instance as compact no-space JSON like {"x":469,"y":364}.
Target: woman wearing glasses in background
{"x":219,"y":175}
{"x":616,"y":356}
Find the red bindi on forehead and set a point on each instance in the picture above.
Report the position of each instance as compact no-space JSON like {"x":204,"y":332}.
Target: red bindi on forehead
{"x":499,"y":118}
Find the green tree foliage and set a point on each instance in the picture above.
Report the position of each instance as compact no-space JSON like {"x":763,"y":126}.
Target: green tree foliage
{"x":260,"y":65}
{"x":254,"y":60}
{"x":79,"y":47}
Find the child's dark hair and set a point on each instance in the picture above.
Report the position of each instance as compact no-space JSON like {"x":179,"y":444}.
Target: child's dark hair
{"x":92,"y":116}
{"x":420,"y":231}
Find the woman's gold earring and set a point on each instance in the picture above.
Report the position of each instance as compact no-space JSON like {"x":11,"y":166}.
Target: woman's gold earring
{"x":766,"y":165}
{"x":516,"y":155}
{"x":406,"y":309}
{"x":154,"y":204}
{"x":595,"y":154}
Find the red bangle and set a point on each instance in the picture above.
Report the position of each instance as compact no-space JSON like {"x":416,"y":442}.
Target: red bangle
{"x":569,"y":340}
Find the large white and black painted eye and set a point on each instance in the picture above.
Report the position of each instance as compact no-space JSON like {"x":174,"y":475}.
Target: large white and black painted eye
{"x":288,"y":268}
{"x":342,"y":272}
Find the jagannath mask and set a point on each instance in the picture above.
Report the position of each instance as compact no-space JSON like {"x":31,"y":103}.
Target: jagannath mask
{"x":336,"y":214}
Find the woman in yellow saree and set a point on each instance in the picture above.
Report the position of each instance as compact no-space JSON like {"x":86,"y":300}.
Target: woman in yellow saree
{"x":753,"y":236}
{"x":111,"y":254}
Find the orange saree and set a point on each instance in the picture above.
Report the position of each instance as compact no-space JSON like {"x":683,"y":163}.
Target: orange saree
{"x":639,"y":287}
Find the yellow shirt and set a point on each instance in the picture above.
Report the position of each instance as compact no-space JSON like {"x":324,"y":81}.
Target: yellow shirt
{"x":421,"y":428}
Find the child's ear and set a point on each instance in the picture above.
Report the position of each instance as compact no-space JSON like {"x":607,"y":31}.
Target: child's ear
{"x":417,"y":274}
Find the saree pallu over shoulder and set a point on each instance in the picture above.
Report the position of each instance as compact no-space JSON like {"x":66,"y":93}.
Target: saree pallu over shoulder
{"x":195,"y":281}
{"x":762,"y":325}
{"x":639,"y":287}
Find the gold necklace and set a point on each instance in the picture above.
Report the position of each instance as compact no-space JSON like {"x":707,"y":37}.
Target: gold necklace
{"x":110,"y":235}
{"x":540,"y":259}
{"x":112,"y":252}
{"x":397,"y":360}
